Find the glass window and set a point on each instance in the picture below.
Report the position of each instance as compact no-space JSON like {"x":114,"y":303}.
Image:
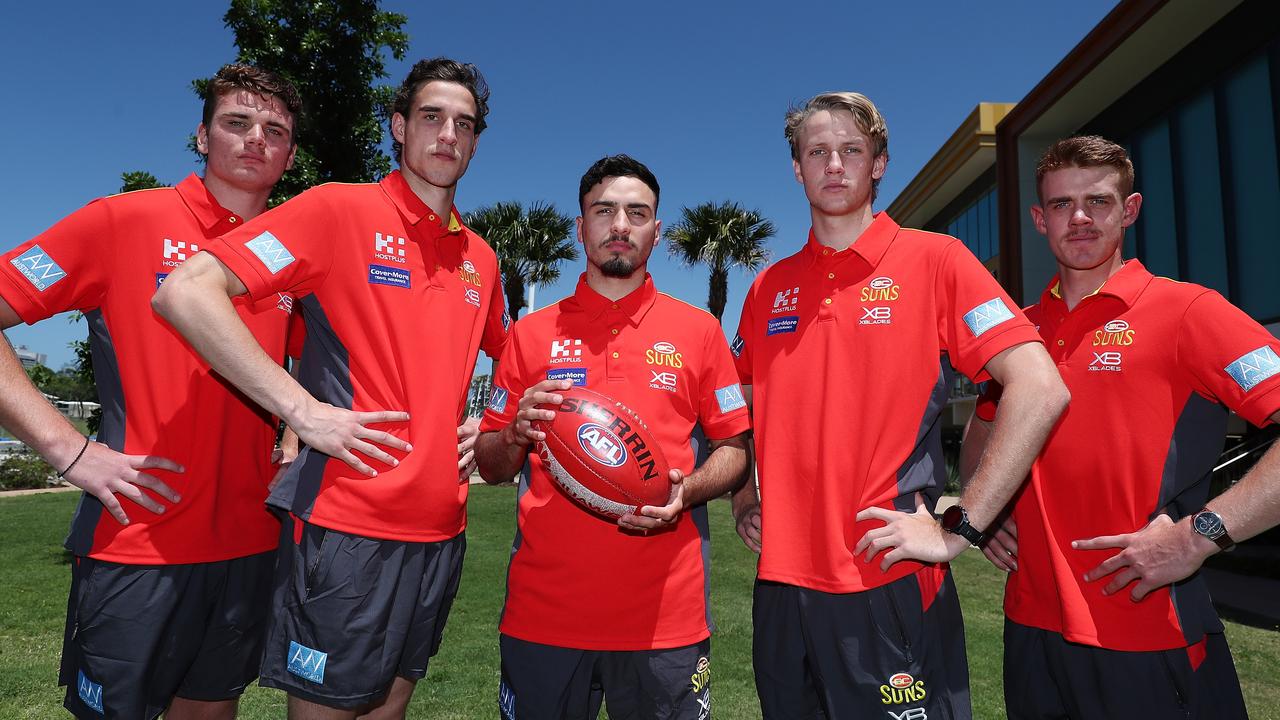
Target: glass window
{"x":1253,"y":179}
{"x":1198,"y":182}
{"x":1157,"y":227}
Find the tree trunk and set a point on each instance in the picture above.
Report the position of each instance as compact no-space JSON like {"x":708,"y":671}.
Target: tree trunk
{"x":719,"y":292}
{"x":513,"y":286}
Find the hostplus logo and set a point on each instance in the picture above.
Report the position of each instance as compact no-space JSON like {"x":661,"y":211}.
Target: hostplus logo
{"x":175,"y":251}
{"x":388,"y":248}
{"x":786,"y":301}
{"x":566,"y":351}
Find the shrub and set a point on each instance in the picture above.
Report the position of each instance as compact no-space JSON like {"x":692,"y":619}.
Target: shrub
{"x":25,"y":470}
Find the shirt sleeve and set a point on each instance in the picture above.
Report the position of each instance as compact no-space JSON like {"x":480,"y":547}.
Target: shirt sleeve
{"x":498,"y":323}
{"x":740,"y":347}
{"x":508,"y":387}
{"x":722,"y":409}
{"x":63,"y":268}
{"x":1229,"y":357}
{"x":977,"y":319}
{"x":288,"y":249}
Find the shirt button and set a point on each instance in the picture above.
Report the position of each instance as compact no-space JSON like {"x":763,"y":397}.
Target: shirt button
{"x":437,"y":267}
{"x":827,"y":301}
{"x":831,"y":276}
{"x":615,"y":331}
{"x":231,"y":219}
{"x":615,"y":306}
{"x":432,"y":218}
{"x":615,"y":356}
{"x":826,"y":251}
{"x":1061,"y":343}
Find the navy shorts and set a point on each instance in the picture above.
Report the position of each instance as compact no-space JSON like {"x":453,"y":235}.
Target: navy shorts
{"x":1045,"y":676}
{"x":352,"y":613}
{"x":138,"y":635}
{"x":545,"y":681}
{"x":894,"y":652}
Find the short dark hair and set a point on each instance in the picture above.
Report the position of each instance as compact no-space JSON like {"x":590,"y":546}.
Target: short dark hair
{"x":239,"y":76}
{"x":1085,"y":151}
{"x":617,"y":166}
{"x":445,"y":70}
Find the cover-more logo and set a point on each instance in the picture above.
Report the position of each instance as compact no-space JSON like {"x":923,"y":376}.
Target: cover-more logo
{"x":388,"y":247}
{"x":568,"y":350}
{"x":786,"y":300}
{"x":175,"y":251}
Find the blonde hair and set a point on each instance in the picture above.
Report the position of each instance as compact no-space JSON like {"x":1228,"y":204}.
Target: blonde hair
{"x":864,"y":112}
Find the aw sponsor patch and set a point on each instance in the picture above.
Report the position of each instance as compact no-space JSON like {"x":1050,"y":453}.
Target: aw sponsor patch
{"x":730,"y":398}
{"x":1253,"y":367}
{"x":270,"y":251}
{"x":307,"y":663}
{"x":38,"y":268}
{"x":498,"y":399}
{"x":986,"y":316}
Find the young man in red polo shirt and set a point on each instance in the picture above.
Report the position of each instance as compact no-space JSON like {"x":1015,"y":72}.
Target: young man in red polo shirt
{"x":397,"y":296}
{"x":1152,"y":365}
{"x":849,"y":347}
{"x":168,"y":606}
{"x":640,"y":638}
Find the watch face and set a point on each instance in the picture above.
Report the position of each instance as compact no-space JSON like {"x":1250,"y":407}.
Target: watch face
{"x":952,"y":517}
{"x":1207,"y":524}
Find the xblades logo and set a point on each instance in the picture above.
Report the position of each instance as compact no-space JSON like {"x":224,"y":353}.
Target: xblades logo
{"x":1106,"y":362}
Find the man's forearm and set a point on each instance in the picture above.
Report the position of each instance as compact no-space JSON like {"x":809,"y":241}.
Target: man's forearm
{"x":1027,"y":413}
{"x":26,"y":413}
{"x":724,"y":471}
{"x":498,"y":459}
{"x":198,"y":306}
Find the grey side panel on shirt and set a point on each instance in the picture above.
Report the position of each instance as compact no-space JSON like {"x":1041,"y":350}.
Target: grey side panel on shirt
{"x":106,"y":375}
{"x":324,"y":370}
{"x":1194,"y":447}
{"x":925,"y":470}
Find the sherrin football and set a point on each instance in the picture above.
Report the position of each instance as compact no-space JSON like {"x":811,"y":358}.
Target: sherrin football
{"x":602,"y":455}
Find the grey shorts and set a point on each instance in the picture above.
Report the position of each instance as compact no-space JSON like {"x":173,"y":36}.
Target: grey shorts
{"x":545,"y":681}
{"x":138,"y":635}
{"x":351,"y":613}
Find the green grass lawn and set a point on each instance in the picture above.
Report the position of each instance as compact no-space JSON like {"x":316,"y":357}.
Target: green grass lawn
{"x":463,"y":678}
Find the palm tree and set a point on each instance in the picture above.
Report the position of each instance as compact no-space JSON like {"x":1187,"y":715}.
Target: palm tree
{"x":723,"y":236}
{"x":530,"y":244}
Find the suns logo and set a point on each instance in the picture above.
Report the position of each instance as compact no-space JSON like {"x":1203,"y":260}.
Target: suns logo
{"x":902,"y":688}
{"x":881,"y":289}
{"x":1116,"y":332}
{"x":468,"y":273}
{"x":664,"y":354}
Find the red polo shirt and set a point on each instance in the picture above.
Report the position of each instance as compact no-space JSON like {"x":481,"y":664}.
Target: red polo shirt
{"x":158,"y":396}
{"x":850,"y":356}
{"x":1150,"y":363}
{"x":395,"y":305}
{"x":578,"y":580}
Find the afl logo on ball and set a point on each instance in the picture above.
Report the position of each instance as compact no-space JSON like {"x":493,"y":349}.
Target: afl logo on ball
{"x":601,"y":445}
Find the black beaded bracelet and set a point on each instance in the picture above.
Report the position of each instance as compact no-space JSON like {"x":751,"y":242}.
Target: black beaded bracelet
{"x":73,"y":462}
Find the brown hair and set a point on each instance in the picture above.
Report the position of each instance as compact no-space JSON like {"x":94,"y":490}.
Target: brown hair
{"x":444,"y":70}
{"x":865,"y":114}
{"x":237,"y":76}
{"x":1086,"y":151}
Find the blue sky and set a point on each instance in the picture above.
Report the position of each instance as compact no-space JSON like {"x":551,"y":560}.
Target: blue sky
{"x":696,"y":90}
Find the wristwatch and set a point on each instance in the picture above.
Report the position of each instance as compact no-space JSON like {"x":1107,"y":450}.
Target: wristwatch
{"x":955,"y":520}
{"x":1209,"y":524}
